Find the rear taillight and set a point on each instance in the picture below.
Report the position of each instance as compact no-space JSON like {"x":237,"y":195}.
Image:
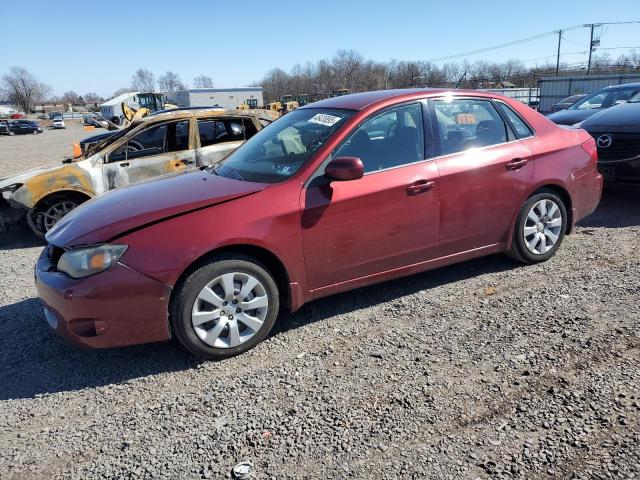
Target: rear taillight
{"x":592,"y":150}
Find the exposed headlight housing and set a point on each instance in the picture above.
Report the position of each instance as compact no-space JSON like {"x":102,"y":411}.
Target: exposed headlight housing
{"x":8,"y":190}
{"x":85,"y":261}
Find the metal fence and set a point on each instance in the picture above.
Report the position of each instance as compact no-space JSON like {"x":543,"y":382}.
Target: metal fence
{"x":528,"y":96}
{"x":554,"y":89}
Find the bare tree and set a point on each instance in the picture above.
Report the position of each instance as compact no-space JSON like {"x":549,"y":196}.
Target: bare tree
{"x":348,"y":69}
{"x":203,"y":81}
{"x":22,"y":89}
{"x":143,"y":81}
{"x":120,"y":91}
{"x":275,"y":84}
{"x":92,"y":97}
{"x":170,"y":82}
{"x":71,"y":98}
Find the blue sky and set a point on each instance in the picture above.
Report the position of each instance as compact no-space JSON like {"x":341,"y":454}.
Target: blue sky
{"x":96,"y":46}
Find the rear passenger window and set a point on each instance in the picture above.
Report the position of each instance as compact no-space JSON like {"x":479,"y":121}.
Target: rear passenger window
{"x":222,"y":130}
{"x":392,"y":138}
{"x":468,"y":123}
{"x":522,"y":129}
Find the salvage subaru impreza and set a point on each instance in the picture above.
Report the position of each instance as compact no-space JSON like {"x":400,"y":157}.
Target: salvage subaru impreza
{"x":337,"y":195}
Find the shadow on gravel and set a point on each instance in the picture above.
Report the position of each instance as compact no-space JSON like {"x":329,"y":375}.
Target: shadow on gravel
{"x":392,"y":291}
{"x":618,"y":208}
{"x":34,"y":361}
{"x":19,"y":236}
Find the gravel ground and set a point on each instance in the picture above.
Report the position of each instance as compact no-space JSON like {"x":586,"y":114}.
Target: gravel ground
{"x":487,"y":369}
{"x":48,"y":149}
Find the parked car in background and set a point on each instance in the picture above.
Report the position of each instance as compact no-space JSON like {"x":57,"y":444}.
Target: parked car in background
{"x":17,"y":115}
{"x":58,"y":122}
{"x":333,"y":196}
{"x":94,"y":120}
{"x":155,"y":146}
{"x":617,"y":134}
{"x":566,"y":102}
{"x":5,"y":128}
{"x":594,"y":103}
{"x":17,"y":127}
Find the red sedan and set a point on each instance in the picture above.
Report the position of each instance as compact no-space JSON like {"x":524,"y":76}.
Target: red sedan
{"x":337,"y":195}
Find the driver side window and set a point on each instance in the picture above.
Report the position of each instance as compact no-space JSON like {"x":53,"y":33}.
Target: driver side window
{"x":392,"y":138}
{"x":155,"y":140}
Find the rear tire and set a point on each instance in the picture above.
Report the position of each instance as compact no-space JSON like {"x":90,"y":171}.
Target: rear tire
{"x":540,"y":228}
{"x":211,"y":314}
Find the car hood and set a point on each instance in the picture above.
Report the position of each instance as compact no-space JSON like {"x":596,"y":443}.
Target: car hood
{"x":22,"y":177}
{"x":129,"y":208}
{"x":570,"y":117}
{"x":627,"y":114}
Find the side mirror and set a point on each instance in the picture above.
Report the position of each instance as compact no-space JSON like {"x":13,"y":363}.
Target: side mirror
{"x":343,"y":169}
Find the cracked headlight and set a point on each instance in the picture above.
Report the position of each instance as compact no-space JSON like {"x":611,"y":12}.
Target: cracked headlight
{"x":85,"y":261}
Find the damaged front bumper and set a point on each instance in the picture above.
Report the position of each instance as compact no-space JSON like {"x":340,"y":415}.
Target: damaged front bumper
{"x":10,"y":212}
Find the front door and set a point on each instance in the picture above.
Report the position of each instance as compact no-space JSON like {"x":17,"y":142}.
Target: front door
{"x":484,"y":173}
{"x":158,"y":150}
{"x":386,"y":220}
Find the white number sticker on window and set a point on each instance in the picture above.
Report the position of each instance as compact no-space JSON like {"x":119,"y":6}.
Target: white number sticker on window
{"x":324,"y":119}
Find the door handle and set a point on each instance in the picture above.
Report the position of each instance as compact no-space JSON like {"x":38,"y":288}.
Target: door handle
{"x":124,"y":164}
{"x":516,"y":164}
{"x":421,"y":186}
{"x":186,"y":162}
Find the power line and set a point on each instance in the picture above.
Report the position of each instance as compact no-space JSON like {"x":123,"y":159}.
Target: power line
{"x":528,"y":39}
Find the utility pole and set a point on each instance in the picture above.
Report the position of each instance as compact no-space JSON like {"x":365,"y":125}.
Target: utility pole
{"x":590,"y":50}
{"x":558,"y":58}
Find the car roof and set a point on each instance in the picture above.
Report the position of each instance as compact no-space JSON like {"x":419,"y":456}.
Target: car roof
{"x":622,"y":86}
{"x":360,"y":101}
{"x":200,"y":112}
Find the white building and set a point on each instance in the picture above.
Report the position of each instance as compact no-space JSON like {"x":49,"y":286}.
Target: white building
{"x":7,"y":110}
{"x":223,"y":97}
{"x":113,"y":108}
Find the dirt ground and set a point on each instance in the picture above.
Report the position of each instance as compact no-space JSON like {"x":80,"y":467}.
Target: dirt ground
{"x":486,"y":369}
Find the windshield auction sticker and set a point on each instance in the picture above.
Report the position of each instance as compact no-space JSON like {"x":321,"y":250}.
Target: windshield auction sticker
{"x":324,"y":119}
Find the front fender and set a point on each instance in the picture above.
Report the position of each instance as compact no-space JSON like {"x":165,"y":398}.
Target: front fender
{"x":64,"y":178}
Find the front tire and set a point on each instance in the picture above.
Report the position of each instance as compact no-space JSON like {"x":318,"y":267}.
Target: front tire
{"x":44,"y":217}
{"x":225,"y":307}
{"x":540,"y":228}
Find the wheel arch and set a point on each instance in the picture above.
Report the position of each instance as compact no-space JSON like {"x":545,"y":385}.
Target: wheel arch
{"x":65,"y":193}
{"x":559,"y":190}
{"x":270,"y":260}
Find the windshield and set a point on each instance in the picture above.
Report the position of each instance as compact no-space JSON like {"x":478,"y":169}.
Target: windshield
{"x":280,"y":149}
{"x":606,"y":98}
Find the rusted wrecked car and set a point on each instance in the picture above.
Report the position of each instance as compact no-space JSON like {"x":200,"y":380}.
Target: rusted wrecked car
{"x":156,"y":145}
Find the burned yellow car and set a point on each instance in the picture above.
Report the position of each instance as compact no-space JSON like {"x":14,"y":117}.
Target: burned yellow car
{"x":156,"y":145}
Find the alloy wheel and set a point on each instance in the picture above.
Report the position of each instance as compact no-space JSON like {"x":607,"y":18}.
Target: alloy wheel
{"x":230,"y":310}
{"x":542,"y":227}
{"x":55,"y":212}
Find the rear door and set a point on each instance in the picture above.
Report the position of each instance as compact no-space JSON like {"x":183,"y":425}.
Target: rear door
{"x":484,"y":172}
{"x":157,"y":150}
{"x":219,"y":136}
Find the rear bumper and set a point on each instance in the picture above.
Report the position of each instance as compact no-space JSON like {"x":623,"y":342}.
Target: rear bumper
{"x":585,"y":192}
{"x":111,"y":309}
